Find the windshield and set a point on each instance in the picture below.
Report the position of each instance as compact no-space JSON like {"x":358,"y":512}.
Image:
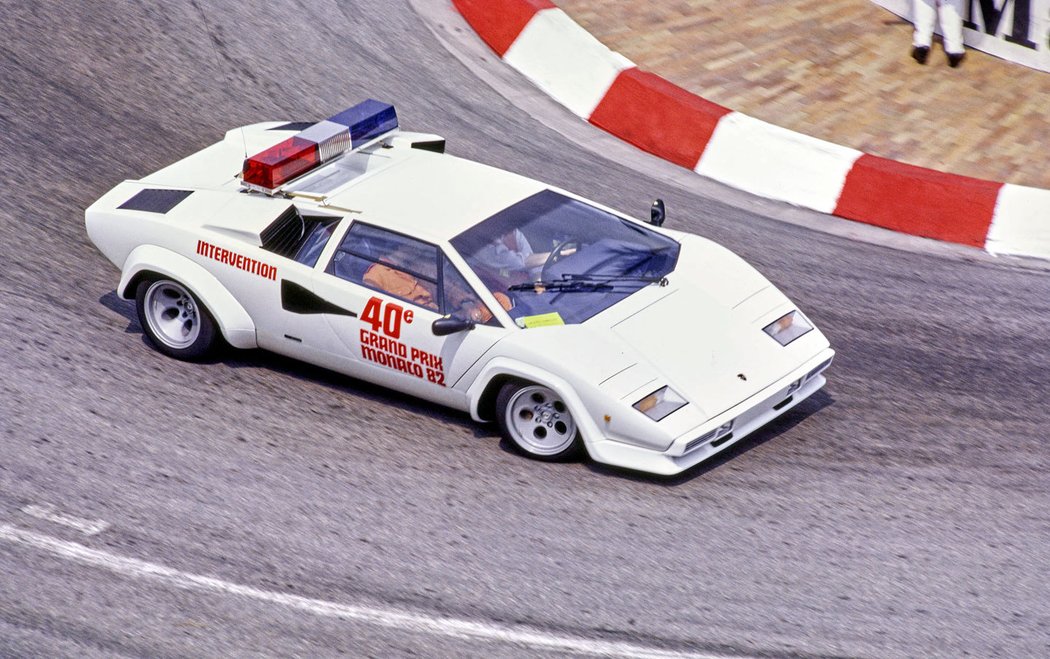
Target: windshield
{"x":559,"y":260}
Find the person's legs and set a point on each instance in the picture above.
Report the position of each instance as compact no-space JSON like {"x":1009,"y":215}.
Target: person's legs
{"x":924,"y":15}
{"x":951,"y":26}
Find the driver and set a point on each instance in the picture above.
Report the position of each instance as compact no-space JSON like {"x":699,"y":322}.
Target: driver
{"x":511,"y":257}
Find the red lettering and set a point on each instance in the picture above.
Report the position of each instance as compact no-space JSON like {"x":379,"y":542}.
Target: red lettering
{"x":366,"y":337}
{"x":437,"y":377}
{"x":239,"y":261}
{"x":392,"y":316}
{"x":370,"y":314}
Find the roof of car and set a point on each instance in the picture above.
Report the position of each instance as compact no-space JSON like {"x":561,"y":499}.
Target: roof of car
{"x":429,"y":195}
{"x":433,"y":196}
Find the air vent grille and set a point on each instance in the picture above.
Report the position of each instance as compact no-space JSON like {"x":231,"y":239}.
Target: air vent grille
{"x":294,"y":125}
{"x":154,"y":200}
{"x":286,"y":234}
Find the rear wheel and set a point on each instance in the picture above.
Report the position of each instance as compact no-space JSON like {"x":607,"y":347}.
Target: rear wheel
{"x":174,"y":320}
{"x":537,"y":421}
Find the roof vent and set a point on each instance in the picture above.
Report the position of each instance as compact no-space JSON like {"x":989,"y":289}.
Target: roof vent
{"x":155,"y":200}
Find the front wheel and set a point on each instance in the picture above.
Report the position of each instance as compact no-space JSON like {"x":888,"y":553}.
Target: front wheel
{"x":537,"y":421}
{"x":174,"y":320}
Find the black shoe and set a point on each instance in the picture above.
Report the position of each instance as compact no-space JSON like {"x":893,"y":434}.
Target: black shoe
{"x":920,"y":53}
{"x":955,"y":59}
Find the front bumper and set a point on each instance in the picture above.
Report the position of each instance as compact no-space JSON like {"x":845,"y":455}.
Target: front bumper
{"x":699,"y":444}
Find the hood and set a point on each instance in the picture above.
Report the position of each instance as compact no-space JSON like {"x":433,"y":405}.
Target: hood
{"x":714,"y":354}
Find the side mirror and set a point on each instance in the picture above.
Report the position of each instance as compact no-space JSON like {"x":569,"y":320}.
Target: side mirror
{"x":658,"y":213}
{"x":446,"y":326}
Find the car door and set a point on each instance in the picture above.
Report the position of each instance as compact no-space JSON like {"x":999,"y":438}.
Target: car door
{"x":289,"y":317}
{"x":398,"y":286}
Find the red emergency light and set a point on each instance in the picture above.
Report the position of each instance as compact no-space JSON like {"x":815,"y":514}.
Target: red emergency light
{"x":318,"y":144}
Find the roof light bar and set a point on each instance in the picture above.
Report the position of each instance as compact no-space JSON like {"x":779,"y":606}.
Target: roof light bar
{"x":326,"y":140}
{"x":367,"y":120}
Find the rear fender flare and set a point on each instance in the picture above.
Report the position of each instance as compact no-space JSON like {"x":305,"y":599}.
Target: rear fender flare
{"x":236,"y":325}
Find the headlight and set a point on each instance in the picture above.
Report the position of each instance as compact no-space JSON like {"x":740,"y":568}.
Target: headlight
{"x":660,"y":403}
{"x":788,"y":327}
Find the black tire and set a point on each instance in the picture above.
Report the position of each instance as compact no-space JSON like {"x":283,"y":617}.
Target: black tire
{"x":535,"y":420}
{"x":175,"y":321}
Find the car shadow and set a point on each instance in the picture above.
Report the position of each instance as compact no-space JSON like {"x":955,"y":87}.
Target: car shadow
{"x":767,"y":433}
{"x":122,"y":307}
{"x":256,"y":358}
{"x":305,"y":372}
{"x":234,"y":358}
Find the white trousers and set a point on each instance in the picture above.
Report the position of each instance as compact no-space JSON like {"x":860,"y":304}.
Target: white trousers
{"x":924,"y":14}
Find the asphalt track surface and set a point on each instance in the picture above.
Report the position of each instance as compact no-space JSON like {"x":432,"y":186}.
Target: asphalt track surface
{"x":256,"y":506}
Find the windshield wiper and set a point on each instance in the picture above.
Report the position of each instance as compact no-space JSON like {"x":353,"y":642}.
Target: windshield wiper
{"x":561,"y":286}
{"x":615,"y":278}
{"x":583,"y":282}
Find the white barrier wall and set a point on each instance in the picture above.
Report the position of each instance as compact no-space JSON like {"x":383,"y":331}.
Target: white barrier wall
{"x":565,"y":61}
{"x":1016,"y":30}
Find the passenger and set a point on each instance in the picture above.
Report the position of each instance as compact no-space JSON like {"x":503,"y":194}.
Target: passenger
{"x":399,"y":283}
{"x":474,"y":310}
{"x":468,"y":306}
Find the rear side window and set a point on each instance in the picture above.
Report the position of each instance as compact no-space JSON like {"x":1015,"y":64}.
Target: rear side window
{"x":315,"y":241}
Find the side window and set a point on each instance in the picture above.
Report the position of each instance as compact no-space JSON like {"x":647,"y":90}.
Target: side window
{"x":390,"y":263}
{"x":460,"y":300}
{"x":315,"y":237}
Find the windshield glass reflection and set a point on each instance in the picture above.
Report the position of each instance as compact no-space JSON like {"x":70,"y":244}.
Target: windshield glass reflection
{"x":550,"y":254}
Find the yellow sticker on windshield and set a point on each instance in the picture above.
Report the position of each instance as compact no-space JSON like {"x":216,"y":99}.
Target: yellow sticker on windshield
{"x":543,"y":320}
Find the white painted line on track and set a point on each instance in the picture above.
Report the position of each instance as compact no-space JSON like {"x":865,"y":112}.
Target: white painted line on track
{"x":530,"y":637}
{"x":49,"y":513}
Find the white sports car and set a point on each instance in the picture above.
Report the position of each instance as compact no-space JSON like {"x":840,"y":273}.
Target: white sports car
{"x":352,"y":245}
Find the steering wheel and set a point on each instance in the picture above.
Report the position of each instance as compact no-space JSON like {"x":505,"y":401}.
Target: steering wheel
{"x":557,"y":253}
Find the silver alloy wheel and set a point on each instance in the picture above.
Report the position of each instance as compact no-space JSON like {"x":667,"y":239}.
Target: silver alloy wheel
{"x":172,"y":314}
{"x":540,"y":421}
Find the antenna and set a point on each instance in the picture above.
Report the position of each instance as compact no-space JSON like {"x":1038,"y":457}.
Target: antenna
{"x":244,"y":141}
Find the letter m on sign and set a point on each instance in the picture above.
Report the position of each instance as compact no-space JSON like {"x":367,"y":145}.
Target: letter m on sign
{"x":992,"y":15}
